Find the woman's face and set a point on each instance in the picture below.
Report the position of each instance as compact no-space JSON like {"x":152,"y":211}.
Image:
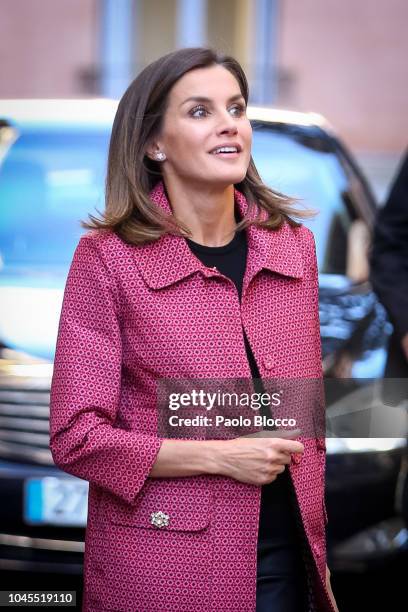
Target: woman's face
{"x":205,"y":111}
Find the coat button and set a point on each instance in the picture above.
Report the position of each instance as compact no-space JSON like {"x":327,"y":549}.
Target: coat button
{"x":159,"y":519}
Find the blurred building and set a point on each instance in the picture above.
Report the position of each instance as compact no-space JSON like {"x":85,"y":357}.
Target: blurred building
{"x":348,"y":60}
{"x":343,"y":59}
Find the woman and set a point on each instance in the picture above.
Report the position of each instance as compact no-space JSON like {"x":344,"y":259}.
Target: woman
{"x":189,"y":524}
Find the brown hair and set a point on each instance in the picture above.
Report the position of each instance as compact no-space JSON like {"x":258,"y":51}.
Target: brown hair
{"x":131,"y":174}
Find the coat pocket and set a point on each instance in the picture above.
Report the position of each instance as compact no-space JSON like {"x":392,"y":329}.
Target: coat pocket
{"x":165,"y":504}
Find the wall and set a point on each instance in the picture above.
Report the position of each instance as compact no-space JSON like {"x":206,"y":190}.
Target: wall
{"x":48,"y":48}
{"x":348,"y":60}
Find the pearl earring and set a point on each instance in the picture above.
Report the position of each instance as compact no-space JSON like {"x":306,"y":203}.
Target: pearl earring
{"x":160,"y":156}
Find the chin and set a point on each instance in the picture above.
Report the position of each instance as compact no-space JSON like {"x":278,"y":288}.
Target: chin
{"x":237,"y":177}
{"x":228,"y":178}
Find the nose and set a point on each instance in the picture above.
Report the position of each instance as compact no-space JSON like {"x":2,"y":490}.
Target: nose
{"x":227,"y":124}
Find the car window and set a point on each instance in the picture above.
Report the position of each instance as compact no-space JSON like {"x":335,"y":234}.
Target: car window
{"x":297,"y":168}
{"x":52,"y":178}
{"x":49,"y":181}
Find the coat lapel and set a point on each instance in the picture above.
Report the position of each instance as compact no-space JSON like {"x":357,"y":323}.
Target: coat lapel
{"x":169,"y":259}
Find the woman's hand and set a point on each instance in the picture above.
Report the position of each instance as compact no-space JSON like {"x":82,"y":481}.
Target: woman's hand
{"x":257,"y":460}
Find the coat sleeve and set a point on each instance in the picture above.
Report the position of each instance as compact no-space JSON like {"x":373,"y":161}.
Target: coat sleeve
{"x":86,"y":385}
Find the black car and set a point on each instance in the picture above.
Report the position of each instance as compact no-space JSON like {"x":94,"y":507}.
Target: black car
{"x":52,"y":165}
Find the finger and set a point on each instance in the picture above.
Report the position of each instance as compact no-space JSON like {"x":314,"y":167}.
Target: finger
{"x":281,"y":433}
{"x":286,"y":458}
{"x":289,"y":446}
{"x":284,"y":443}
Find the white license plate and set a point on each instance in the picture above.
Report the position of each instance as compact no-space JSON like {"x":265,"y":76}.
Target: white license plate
{"x":56,"y":501}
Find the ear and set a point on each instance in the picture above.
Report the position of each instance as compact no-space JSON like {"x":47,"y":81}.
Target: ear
{"x":153,"y":147}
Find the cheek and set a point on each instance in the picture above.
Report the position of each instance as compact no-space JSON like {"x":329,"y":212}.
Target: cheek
{"x":247,"y":138}
{"x":247,"y":134}
{"x":195,"y":140}
{"x":186,"y":144}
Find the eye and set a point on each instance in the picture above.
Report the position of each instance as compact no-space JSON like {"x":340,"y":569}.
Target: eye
{"x":198,"y":112}
{"x":237,"y":110}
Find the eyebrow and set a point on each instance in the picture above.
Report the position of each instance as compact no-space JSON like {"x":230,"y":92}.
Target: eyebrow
{"x":208,"y":100}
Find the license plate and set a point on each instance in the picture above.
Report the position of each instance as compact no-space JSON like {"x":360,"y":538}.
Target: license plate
{"x":56,"y":501}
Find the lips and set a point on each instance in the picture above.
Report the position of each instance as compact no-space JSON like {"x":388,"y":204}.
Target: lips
{"x":226,"y":149}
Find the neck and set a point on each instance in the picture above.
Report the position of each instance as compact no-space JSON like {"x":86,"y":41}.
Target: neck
{"x":207,"y":211}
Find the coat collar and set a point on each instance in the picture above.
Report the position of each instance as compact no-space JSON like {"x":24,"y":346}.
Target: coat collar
{"x":169,"y":259}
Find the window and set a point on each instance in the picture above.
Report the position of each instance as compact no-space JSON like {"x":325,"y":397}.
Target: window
{"x":49,"y":181}
{"x":303,"y":166}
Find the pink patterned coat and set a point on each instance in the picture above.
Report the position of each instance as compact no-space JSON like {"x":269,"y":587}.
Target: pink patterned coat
{"x":130,"y":316}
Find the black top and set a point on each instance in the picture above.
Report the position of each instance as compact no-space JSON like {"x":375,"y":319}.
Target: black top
{"x":277,"y":520}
